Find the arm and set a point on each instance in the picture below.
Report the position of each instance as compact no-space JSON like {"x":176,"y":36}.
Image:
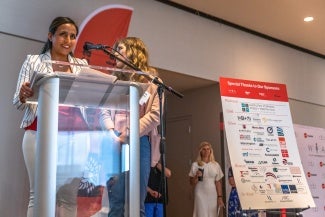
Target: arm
{"x":168,"y":172}
{"x":219,"y":193}
{"x":106,"y":119}
{"x":194,"y":180}
{"x":23,"y":91}
{"x":151,"y":118}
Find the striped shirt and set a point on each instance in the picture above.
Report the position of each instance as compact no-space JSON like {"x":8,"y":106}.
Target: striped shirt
{"x":31,"y":63}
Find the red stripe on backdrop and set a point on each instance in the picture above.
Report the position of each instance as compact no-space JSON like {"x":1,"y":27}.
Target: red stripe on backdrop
{"x":104,"y":26}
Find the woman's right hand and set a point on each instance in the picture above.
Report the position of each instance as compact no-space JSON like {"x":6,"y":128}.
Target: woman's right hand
{"x":199,"y":173}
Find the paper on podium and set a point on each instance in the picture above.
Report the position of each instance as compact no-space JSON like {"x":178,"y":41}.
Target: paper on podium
{"x":87,"y":72}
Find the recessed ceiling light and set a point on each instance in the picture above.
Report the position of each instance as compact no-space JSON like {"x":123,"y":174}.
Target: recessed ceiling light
{"x":308,"y":19}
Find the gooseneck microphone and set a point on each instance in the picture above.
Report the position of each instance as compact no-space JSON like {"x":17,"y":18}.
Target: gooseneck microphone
{"x":90,"y":46}
{"x":114,"y":54}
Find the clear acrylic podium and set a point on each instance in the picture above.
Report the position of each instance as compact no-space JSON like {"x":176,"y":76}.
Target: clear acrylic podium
{"x":91,"y":88}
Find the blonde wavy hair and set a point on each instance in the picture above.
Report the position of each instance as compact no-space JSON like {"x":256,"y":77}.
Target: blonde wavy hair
{"x":199,"y":157}
{"x":137,"y":54}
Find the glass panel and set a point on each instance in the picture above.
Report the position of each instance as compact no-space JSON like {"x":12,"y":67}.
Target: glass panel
{"x":92,"y":160}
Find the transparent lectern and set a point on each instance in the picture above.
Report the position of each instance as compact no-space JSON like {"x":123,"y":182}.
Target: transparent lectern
{"x":77,"y":160}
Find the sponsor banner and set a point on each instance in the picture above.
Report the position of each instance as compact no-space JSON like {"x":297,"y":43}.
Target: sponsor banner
{"x":311,"y":145}
{"x":262,"y":145}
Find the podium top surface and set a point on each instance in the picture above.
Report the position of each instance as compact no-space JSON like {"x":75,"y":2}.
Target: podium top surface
{"x":91,"y":86}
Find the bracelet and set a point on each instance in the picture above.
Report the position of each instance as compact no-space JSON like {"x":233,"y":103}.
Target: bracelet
{"x":219,"y":196}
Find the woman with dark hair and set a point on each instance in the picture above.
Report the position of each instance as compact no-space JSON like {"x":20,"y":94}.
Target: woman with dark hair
{"x":61,"y":41}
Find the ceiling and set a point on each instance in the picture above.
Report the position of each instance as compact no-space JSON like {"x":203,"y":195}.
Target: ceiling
{"x":279,"y":20}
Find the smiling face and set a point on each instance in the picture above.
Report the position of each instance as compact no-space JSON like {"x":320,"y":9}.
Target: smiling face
{"x":205,"y":152}
{"x":63,"y":41}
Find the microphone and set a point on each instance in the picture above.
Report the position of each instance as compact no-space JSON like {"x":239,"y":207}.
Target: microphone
{"x":90,"y":46}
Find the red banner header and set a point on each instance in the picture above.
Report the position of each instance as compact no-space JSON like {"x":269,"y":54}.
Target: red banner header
{"x":253,"y":89}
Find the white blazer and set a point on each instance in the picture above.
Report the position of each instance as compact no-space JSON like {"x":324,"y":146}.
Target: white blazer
{"x":25,"y":75}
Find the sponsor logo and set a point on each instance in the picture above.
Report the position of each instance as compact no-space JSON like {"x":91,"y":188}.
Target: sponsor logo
{"x":253,"y":169}
{"x":270,"y":139}
{"x":245,"y":131}
{"x":269,"y":199}
{"x":272,"y":155}
{"x":286,"y":198}
{"x":243,"y":180}
{"x":306,"y":135}
{"x":244,"y":118}
{"x":262,"y":162}
{"x":284,"y":153}
{"x":247,"y":143}
{"x":258,"y":139}
{"x":259,"y":133}
{"x":279,"y":131}
{"x":257,"y":127}
{"x":295,"y":170}
{"x":275,"y":160}
{"x":269,"y":130}
{"x":309,"y":174}
{"x":268,"y":149}
{"x":293,"y":189}
{"x":282,"y":141}
{"x":244,"y":107}
{"x":248,"y":161}
{"x":244,"y":137}
{"x":244,"y":173}
{"x":269,"y":174}
{"x":285,"y":189}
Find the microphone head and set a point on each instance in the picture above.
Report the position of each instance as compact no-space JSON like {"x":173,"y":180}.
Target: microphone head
{"x":86,"y":50}
{"x":88,"y":46}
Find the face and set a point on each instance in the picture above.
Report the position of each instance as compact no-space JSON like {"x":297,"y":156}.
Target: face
{"x":63,"y":41}
{"x":121,"y":48}
{"x":205,"y":151}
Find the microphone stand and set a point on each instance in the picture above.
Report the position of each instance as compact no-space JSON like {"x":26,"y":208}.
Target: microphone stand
{"x":162,"y":107}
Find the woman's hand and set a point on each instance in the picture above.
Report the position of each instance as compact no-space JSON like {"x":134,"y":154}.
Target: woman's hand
{"x":220,"y":202}
{"x":25,"y":92}
{"x":124,"y":137}
{"x":154,"y":194}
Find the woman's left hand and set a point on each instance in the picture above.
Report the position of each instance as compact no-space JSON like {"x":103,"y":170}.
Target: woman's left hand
{"x":220,"y":202}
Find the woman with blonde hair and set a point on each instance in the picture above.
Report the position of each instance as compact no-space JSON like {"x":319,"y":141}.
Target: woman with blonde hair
{"x":205,"y":177}
{"x":133,"y":51}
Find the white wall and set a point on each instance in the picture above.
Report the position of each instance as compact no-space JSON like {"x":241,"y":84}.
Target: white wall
{"x":178,"y":41}
{"x":182,"y":42}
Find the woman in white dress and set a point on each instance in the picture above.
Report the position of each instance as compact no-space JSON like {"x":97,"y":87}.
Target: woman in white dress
{"x":205,"y":177}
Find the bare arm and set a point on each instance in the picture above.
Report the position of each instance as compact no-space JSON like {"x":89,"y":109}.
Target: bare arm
{"x":168,"y":172}
{"x":219,"y":193}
